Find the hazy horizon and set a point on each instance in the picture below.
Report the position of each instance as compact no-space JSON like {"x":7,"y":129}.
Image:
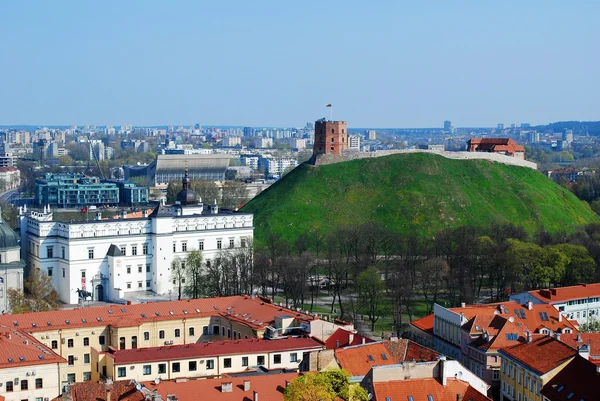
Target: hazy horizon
{"x":394,"y":64}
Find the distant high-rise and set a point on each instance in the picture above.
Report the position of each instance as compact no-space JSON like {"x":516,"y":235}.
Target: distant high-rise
{"x":567,"y":136}
{"x":500,"y":126}
{"x":448,"y":125}
{"x":331,"y":137}
{"x":372,"y":135}
{"x":248,"y":131}
{"x":525,"y":125}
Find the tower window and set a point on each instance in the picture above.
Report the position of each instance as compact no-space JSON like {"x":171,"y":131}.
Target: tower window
{"x":331,"y":139}
{"x":332,"y":148}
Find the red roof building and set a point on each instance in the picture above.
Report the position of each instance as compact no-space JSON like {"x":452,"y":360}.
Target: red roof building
{"x":428,"y":389}
{"x":123,"y":390}
{"x":358,"y":360}
{"x":579,"y":380}
{"x":505,"y":146}
{"x":267,"y":387}
{"x":344,"y":338}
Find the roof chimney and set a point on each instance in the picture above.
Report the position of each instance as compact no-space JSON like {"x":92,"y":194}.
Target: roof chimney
{"x":255,"y":396}
{"x":579,"y":338}
{"x":227,"y":387}
{"x":530,"y":304}
{"x":123,"y":214}
{"x":559,"y":316}
{"x":443,"y":370}
{"x":463,"y":305}
{"x":364,"y":340}
{"x":144,"y":213}
{"x":98,"y":216}
{"x":557,"y":335}
{"x":246,"y":385}
{"x":529,"y":336}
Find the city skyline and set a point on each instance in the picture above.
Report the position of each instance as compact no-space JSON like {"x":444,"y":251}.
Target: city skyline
{"x":390,"y":64}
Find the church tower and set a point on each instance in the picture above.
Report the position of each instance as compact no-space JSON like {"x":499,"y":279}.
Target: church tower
{"x":331,"y":137}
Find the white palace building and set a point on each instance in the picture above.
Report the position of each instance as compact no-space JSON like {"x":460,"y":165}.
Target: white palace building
{"x":110,"y":257}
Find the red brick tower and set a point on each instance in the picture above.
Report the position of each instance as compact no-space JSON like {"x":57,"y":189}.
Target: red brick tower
{"x":331,"y":137}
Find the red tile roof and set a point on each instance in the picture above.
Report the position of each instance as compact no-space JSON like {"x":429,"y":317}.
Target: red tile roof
{"x":419,"y":389}
{"x":268,"y":387}
{"x":576,"y":340}
{"x":212,"y":349}
{"x":122,"y":390}
{"x":252,"y":312}
{"x":579,"y":380}
{"x":425,"y":323}
{"x":343,"y":336}
{"x":359,"y":359}
{"x":562,"y":294}
{"x":542,"y":354}
{"x":21,"y":349}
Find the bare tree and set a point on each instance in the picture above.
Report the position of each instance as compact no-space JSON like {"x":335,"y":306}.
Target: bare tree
{"x":178,"y":274}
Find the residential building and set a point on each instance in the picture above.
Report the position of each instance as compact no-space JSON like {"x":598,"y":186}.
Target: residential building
{"x":124,"y":390}
{"x":263,"y":143}
{"x":529,"y":366}
{"x":130,"y":194}
{"x":250,"y":161}
{"x":359,"y":359}
{"x":10,"y":178}
{"x":438,"y":380}
{"x":137,"y":146}
{"x":28,"y":369}
{"x":354,"y":142}
{"x":277,"y":166}
{"x":372,"y":135}
{"x":474,"y":334}
{"x":109,"y":257}
{"x":505,"y":146}
{"x":74,"y":191}
{"x":590,"y":340}
{"x":297,"y":143}
{"x":209,"y":359}
{"x":232,"y":141}
{"x":11,"y":264}
{"x":570,"y":174}
{"x":345,"y":338}
{"x":579,"y":380}
{"x":331,"y":137}
{"x":248,"y":131}
{"x":268,"y":387}
{"x":578,"y":302}
{"x":73,"y":333}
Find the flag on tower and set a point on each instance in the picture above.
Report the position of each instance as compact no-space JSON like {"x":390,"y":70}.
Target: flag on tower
{"x":329,"y":105}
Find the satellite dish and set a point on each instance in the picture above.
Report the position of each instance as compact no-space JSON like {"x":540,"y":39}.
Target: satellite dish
{"x":138,"y":387}
{"x":156,"y":381}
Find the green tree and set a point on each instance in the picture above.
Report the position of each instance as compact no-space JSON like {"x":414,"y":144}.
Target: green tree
{"x":65,"y":160}
{"x":193,"y":274}
{"x":208,"y":191}
{"x":309,"y":387}
{"x":579,"y":266}
{"x":528,"y":261}
{"x":39,"y":295}
{"x":235,"y":193}
{"x":173,"y":188}
{"x":370,"y":293}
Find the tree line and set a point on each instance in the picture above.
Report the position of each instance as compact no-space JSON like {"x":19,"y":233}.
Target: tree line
{"x":229,"y":196}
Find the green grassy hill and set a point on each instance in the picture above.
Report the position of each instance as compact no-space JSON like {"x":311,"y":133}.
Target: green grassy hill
{"x":420,"y":193}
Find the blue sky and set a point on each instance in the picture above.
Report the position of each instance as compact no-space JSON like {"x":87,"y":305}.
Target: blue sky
{"x":263,"y":63}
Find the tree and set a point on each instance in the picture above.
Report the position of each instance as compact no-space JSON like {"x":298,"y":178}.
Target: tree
{"x":370,"y":293}
{"x":178,"y":274}
{"x":173,"y":188}
{"x":193,"y":273}
{"x":65,"y":160}
{"x":39,"y":294}
{"x":529,"y":262}
{"x":432,"y":274}
{"x":309,"y":387}
{"x":208,"y":191}
{"x":235,"y":193}
{"x":579,"y":266}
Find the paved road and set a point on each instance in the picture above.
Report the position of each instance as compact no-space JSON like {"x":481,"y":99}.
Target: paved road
{"x":6,"y":197}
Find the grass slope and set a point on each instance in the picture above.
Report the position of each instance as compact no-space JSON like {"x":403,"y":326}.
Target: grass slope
{"x":418,"y":193}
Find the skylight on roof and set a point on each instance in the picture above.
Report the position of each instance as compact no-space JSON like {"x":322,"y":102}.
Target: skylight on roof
{"x":409,"y":398}
{"x":197,"y":310}
{"x":171,"y":312}
{"x":10,"y":360}
{"x":384,"y":357}
{"x":429,"y":397}
{"x":185,"y":312}
{"x":84,"y":320}
{"x":157,"y":313}
{"x":15,"y":323}
{"x":512,"y":336}
{"x":570,"y":395}
{"x":123,"y":310}
{"x":143,"y":315}
{"x":41,"y":356}
{"x":33,"y":324}
{"x":371,"y":358}
{"x":99,"y":319}
{"x":49,"y":323}
{"x":110,"y":312}
{"x":21,"y":358}
{"x":388,"y":398}
{"x":560,"y":388}
{"x":67,"y":321}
